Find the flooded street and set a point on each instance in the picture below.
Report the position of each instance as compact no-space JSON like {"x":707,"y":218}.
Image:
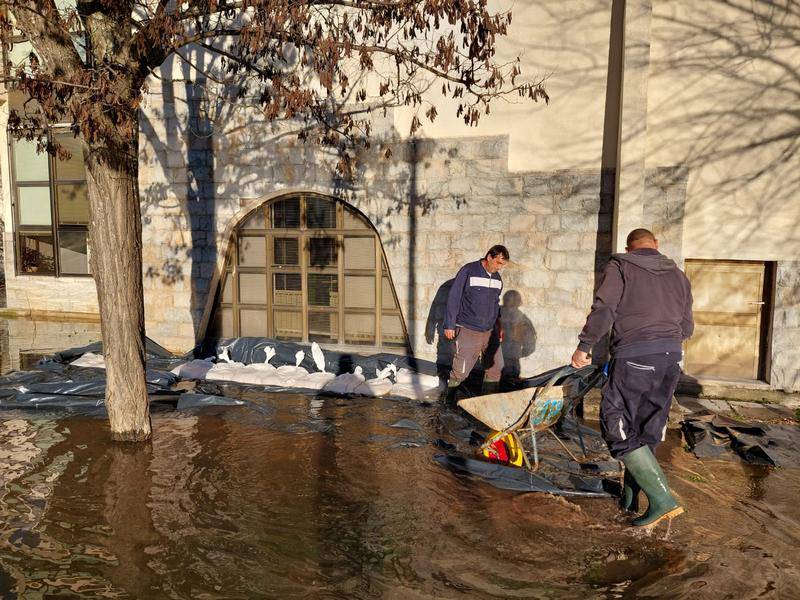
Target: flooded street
{"x":300,"y":497}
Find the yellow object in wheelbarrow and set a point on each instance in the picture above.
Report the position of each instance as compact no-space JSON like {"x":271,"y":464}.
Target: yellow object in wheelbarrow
{"x":507,"y":413}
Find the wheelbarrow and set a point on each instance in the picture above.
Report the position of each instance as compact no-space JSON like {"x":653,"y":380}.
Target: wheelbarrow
{"x":511,"y":414}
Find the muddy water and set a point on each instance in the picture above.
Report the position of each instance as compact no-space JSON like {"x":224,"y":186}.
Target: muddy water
{"x":310,"y":498}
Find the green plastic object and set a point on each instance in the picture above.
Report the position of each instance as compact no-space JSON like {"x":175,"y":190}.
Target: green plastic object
{"x":643,"y":466}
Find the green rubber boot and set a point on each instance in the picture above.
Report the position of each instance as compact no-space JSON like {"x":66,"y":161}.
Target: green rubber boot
{"x":644,"y":468}
{"x":490,"y":387}
{"x":630,"y":493}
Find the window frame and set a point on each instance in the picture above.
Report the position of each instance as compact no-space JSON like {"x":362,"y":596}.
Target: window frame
{"x":233,"y":268}
{"x":55,"y":227}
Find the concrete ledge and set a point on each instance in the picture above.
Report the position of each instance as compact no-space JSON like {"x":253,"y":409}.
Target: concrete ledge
{"x":758,"y":392}
{"x":48,"y":315}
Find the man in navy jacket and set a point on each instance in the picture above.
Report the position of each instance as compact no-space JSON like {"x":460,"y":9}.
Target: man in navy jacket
{"x":472,"y":319}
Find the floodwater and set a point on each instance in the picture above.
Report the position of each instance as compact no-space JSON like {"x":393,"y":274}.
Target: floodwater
{"x":303,"y":497}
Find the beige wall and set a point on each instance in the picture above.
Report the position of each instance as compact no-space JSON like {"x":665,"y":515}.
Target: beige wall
{"x":722,"y":101}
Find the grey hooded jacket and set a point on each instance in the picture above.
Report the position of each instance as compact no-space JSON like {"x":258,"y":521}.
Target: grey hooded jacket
{"x":648,"y":300}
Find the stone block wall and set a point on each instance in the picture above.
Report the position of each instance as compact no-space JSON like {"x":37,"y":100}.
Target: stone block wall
{"x":786,"y":328}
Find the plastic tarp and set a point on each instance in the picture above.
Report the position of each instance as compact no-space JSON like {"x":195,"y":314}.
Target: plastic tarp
{"x":715,"y":436}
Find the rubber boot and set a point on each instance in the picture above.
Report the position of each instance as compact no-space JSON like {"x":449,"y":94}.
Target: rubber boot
{"x":449,"y":396}
{"x":490,"y":387}
{"x":645,"y":470}
{"x":630,"y":493}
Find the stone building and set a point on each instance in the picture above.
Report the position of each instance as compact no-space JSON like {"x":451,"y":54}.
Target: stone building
{"x":670,"y":115}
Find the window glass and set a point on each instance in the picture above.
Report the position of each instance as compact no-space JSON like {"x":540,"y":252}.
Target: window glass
{"x":288,"y":325}
{"x":29,"y":165}
{"x":320,"y":214}
{"x":285,"y":214}
{"x":392,"y":330}
{"x":359,"y":291}
{"x":285,"y":251}
{"x":73,"y":252}
{"x":36,"y":253}
{"x":252,"y":288}
{"x":223,"y":323}
{"x":253,"y":322}
{"x":359,"y":253}
{"x":287,"y":289}
{"x":255,"y":220}
{"x":322,"y":252}
{"x":73,"y":204}
{"x":359,"y":329}
{"x":34,"y":206}
{"x":73,"y":167}
{"x":252,"y":251}
{"x":353,"y":220}
{"x":227,"y":289}
{"x":387,"y":295}
{"x":323,"y":289}
{"x":322,"y":327}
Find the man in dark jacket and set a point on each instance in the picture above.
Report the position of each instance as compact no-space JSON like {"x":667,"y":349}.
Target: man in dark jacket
{"x":648,"y":300}
{"x":472,"y":320}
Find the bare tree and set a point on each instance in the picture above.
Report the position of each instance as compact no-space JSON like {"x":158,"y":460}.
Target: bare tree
{"x":298,"y":58}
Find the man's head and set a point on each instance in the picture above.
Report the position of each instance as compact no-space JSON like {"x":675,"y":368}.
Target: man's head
{"x":641,"y":238}
{"x":496,"y":258}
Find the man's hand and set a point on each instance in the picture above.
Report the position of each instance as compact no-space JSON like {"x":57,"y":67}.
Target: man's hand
{"x":581,"y":359}
{"x":450,"y":334}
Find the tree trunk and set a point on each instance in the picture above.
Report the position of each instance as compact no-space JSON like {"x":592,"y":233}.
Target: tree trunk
{"x":116,"y":259}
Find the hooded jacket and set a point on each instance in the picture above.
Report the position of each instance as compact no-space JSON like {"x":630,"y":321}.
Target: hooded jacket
{"x":648,"y":300}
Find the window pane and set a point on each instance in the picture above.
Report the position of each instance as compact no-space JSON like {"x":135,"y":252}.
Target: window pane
{"x":323,"y":327}
{"x":359,"y":253}
{"x":322,"y":252}
{"x":285,"y":214}
{"x":73,"y":204}
{"x":323,"y":290}
{"x":34,"y":206}
{"x":73,"y":252}
{"x":36,"y":254}
{"x":255,"y":220}
{"x":359,"y":329}
{"x":353,"y":220}
{"x":252,"y":251}
{"x":320,"y":213}
{"x":359,"y":291}
{"x":288,"y":325}
{"x":285,"y":251}
{"x":252,"y":288}
{"x":29,"y":165}
{"x":387,"y":295}
{"x":392,"y":330}
{"x":227,"y":289}
{"x":253,"y":322}
{"x":223,"y":323}
{"x":73,"y":167}
{"x":288,"y":289}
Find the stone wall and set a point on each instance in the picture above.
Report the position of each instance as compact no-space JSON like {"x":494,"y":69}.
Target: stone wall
{"x":786,"y":328}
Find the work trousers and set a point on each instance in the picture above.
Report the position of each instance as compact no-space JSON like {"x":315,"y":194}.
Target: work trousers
{"x":636,"y":400}
{"x":472,"y":345}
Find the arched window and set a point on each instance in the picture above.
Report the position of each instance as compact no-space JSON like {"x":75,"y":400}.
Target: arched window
{"x":308,"y":268}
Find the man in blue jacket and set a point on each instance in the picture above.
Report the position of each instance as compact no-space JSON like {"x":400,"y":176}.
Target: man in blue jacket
{"x":472,"y":319}
{"x":648,"y":300}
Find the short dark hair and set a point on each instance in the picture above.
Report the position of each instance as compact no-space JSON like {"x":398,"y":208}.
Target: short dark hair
{"x":639,"y":234}
{"x":497,"y":249}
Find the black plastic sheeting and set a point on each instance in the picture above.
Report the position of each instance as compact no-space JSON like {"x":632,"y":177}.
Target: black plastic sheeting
{"x":715,"y":436}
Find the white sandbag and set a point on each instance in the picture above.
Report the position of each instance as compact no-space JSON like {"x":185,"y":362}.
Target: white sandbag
{"x":298,"y":357}
{"x":414,"y":392}
{"x":290,"y":374}
{"x":90,"y":359}
{"x":224,"y":371}
{"x":418,"y":379}
{"x":314,"y":381}
{"x":346,"y":383}
{"x":374,"y":387}
{"x":390,"y":369}
{"x":195,"y":369}
{"x":318,"y":356}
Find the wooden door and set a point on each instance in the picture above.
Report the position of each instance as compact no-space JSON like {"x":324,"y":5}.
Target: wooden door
{"x":729,"y":313}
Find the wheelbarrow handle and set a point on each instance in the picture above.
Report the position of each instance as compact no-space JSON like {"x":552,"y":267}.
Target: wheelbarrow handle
{"x":563,"y":371}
